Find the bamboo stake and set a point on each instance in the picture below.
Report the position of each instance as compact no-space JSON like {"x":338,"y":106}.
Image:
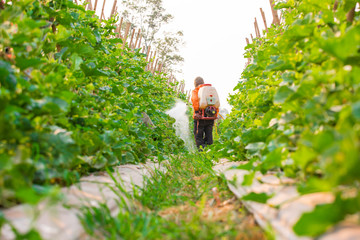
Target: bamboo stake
{"x":120,"y":25}
{"x":113,"y":9}
{"x":252,"y":38}
{"x":89,"y":5}
{"x":247,"y":41}
{"x":264,"y":19}
{"x":148,"y":65}
{"x":139,"y":42}
{"x":152,"y":60}
{"x":137,"y":38}
{"x":95,"y":5}
{"x":257,"y":29}
{"x":102,"y":11}
{"x":276,"y":20}
{"x":132,"y":37}
{"x":117,"y":31}
{"x":154,"y":69}
{"x":160,"y":67}
{"x":126,"y":34}
{"x":147,"y":54}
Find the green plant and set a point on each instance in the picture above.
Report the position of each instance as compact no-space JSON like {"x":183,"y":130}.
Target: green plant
{"x":72,"y":99}
{"x":174,"y":204}
{"x":297,"y":106}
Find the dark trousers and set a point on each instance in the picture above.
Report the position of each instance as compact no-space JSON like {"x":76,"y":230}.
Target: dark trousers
{"x":203,"y":132}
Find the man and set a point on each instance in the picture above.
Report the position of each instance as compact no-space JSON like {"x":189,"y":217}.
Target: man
{"x":203,"y":128}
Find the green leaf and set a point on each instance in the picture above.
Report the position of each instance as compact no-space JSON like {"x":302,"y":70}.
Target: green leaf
{"x":318,"y":221}
{"x":255,"y":135}
{"x":62,"y":33}
{"x":255,"y":147}
{"x":24,"y":62}
{"x":356,"y":110}
{"x":5,"y":162}
{"x":349,"y":4}
{"x":345,"y":46}
{"x":84,"y":50}
{"x":116,"y":90}
{"x":28,"y":195}
{"x":97,"y":36}
{"x":303,"y":156}
{"x":76,"y":61}
{"x":279,"y":65}
{"x":7,"y":79}
{"x":272,"y":159}
{"x":257,"y":197}
{"x":248,"y":179}
{"x":282,"y":94}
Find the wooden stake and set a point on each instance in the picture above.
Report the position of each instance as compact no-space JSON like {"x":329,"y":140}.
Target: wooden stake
{"x":137,"y":38}
{"x":89,"y":5}
{"x":120,"y":26}
{"x":247,"y":41}
{"x":147,"y":54}
{"x":139,"y":42}
{"x":132,"y":37}
{"x":113,"y":9}
{"x":160,"y":67}
{"x":76,"y":2}
{"x":126,"y":33}
{"x":95,"y":5}
{"x":264,"y":19}
{"x":102,"y":11}
{"x":152,"y":60}
{"x":252,"y":38}
{"x":276,"y":20}
{"x":117,"y":30}
{"x":257,"y":33}
{"x":149,"y":65}
{"x":154,"y":69}
{"x":336,"y":4}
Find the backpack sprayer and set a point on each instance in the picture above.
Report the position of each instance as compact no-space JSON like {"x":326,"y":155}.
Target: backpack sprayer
{"x":208,"y":102}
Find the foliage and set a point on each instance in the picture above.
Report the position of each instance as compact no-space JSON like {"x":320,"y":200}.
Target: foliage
{"x":297,"y":106}
{"x":150,"y":16}
{"x":72,"y":99}
{"x":187,"y":180}
{"x":180,"y":180}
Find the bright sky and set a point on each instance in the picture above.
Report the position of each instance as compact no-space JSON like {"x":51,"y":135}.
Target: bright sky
{"x":214,"y":32}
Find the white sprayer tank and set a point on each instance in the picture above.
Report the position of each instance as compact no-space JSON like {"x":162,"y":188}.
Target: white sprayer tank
{"x":208,"y":97}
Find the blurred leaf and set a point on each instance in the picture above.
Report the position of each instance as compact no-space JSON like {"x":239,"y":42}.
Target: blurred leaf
{"x":282,"y":94}
{"x":256,"y":197}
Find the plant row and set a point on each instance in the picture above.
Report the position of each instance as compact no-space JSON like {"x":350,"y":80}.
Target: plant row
{"x":72,"y":98}
{"x":297,"y":107}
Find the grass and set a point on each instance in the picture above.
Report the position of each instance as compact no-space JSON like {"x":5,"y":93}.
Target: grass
{"x":188,"y":201}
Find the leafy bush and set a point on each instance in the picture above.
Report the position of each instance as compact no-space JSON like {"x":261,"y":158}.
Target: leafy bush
{"x":72,"y":97}
{"x":297,"y":108}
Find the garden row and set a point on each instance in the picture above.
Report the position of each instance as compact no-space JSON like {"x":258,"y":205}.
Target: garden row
{"x":72,"y":99}
{"x":297,"y":109}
